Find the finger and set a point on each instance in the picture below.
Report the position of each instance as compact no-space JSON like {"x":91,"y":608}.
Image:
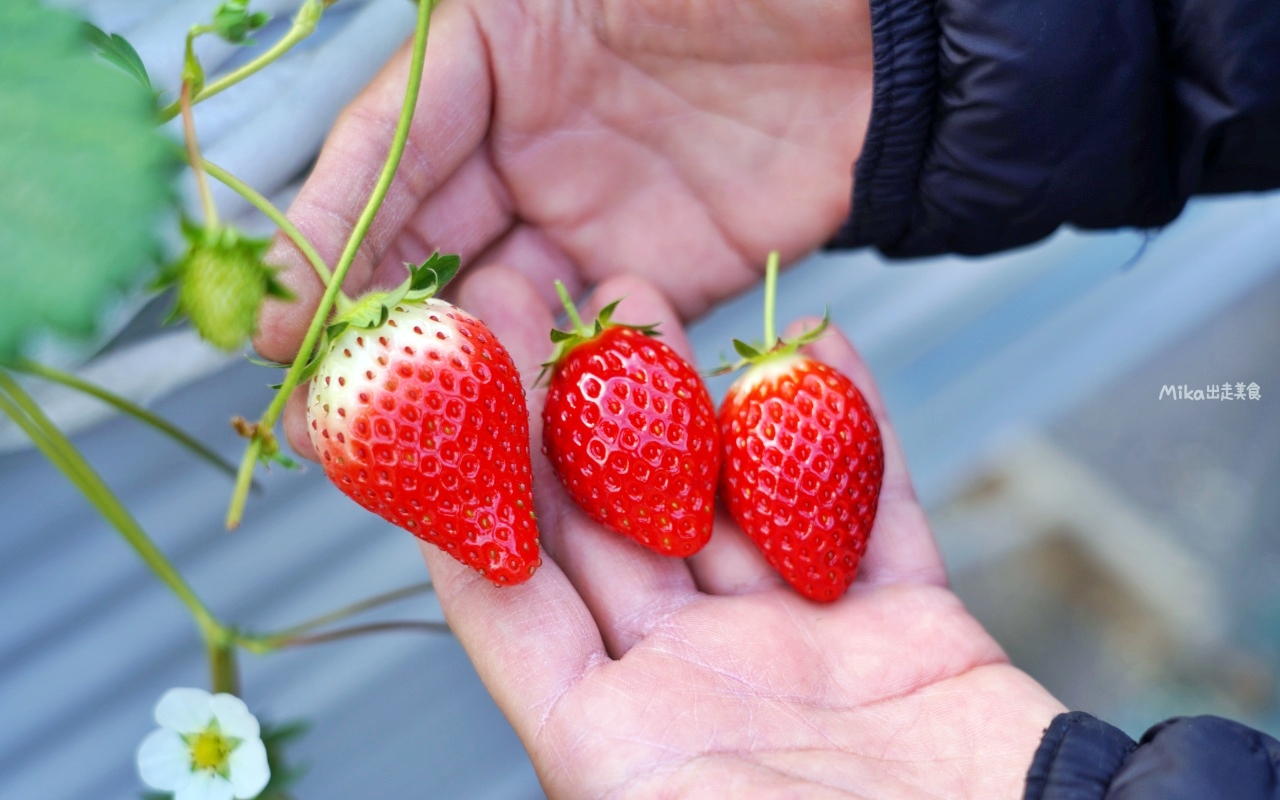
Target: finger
{"x":450,"y":121}
{"x":628,"y":587}
{"x":464,"y":216}
{"x":901,"y":548}
{"x":528,"y":250}
{"x":296,"y":431}
{"x":531,"y":642}
{"x":731,"y":564}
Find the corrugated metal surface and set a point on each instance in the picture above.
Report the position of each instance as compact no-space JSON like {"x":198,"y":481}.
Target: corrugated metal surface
{"x":88,"y":641}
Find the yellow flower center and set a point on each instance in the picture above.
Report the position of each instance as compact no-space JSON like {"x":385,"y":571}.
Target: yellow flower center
{"x":209,"y":751}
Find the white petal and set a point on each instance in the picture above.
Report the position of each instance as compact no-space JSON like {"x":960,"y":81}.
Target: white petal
{"x":205,"y":785}
{"x":234,"y":718}
{"x":164,"y":760}
{"x":185,"y":710}
{"x":249,"y":770}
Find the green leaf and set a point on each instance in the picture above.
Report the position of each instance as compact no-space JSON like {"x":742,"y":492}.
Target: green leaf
{"x":86,"y":177}
{"x":115,"y":49}
{"x":606,"y":314}
{"x":264,"y":362}
{"x":745,"y":350}
{"x":433,"y":273}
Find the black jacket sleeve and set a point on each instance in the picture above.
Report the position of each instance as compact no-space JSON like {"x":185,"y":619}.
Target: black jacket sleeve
{"x":1186,"y":758}
{"x":995,"y":121}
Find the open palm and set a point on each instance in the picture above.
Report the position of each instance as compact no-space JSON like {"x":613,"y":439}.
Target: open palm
{"x":577,"y":140}
{"x":626,"y":673}
{"x":679,"y":142}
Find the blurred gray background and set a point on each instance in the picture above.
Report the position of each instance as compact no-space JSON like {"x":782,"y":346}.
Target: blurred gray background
{"x":1122,"y":547}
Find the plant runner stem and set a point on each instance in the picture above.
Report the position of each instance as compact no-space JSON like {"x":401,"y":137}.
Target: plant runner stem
{"x":235,"y":511}
{"x":23,"y":410}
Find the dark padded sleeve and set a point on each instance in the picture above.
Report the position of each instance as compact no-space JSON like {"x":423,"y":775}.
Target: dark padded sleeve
{"x":1098,"y":113}
{"x":1185,"y":758}
{"x":1076,"y":759}
{"x":1200,"y":758}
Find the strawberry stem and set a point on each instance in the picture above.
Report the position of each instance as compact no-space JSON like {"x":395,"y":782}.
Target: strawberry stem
{"x":572,"y":310}
{"x":193,"y":155}
{"x":235,"y":510}
{"x":265,"y":642}
{"x":770,"y":300}
{"x":224,"y":668}
{"x":27,"y":414}
{"x":124,"y":405}
{"x":275,"y":215}
{"x":304,"y":23}
{"x":360,"y":630}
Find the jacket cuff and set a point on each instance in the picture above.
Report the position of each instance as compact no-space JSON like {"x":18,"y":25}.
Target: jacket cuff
{"x":905,"y":48}
{"x":1184,"y":758}
{"x":1077,"y":758}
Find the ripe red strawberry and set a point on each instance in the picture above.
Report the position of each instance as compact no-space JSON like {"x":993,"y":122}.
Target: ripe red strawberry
{"x":631,"y":432}
{"x":418,"y":414}
{"x":803,"y":464}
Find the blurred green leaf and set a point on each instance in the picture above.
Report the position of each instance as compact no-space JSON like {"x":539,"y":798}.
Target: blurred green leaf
{"x":84,"y":177}
{"x":116,"y":49}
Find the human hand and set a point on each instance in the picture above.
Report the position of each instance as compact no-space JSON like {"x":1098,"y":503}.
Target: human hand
{"x":626,"y":673}
{"x":678,"y":141}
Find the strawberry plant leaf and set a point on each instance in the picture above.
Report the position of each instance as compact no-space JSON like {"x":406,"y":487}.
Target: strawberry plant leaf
{"x":606,"y":314}
{"x":264,"y":362}
{"x":115,"y":49}
{"x":86,"y":177}
{"x":745,"y":350}
{"x":433,"y":273}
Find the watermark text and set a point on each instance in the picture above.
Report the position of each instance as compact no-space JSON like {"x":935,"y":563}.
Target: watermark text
{"x":1213,"y":391}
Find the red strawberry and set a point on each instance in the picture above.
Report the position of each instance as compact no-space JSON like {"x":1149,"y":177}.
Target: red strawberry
{"x":803,"y":463}
{"x":418,"y":415}
{"x":631,"y":432}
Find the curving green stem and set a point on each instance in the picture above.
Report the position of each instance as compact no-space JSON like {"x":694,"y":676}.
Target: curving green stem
{"x":770,"y":299}
{"x":126,"y":406}
{"x":296,"y":634}
{"x":353,"y":609}
{"x":224,"y":668}
{"x":304,"y":24}
{"x":275,"y":215}
{"x":574,"y":317}
{"x":360,"y":630}
{"x":235,"y":510}
{"x":23,"y":410}
{"x":193,"y":156}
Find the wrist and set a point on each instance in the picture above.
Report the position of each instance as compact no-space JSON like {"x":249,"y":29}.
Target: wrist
{"x":984,"y":727}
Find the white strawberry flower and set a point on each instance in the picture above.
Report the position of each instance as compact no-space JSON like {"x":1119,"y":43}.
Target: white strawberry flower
{"x":208,"y":747}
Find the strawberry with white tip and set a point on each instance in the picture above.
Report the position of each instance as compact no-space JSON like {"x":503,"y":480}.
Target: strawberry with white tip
{"x":418,"y":414}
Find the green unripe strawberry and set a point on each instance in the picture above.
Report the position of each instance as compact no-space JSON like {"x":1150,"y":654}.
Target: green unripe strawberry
{"x":222,"y":283}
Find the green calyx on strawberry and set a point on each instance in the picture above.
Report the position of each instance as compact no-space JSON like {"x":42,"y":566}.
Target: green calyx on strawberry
{"x":222,"y":283}
{"x":631,"y":432}
{"x":803,"y":460}
{"x":418,"y":414}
